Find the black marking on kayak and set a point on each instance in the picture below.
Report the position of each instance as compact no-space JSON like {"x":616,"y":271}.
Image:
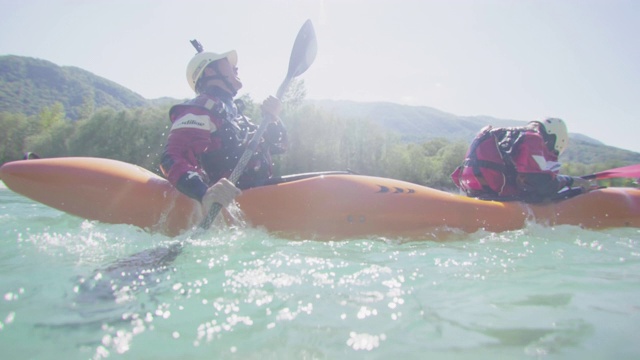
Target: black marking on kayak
{"x":356,"y":219}
{"x":386,"y":189}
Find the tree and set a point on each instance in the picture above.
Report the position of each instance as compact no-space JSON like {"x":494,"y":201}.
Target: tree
{"x":295,"y":95}
{"x":51,"y":116}
{"x":14,"y":129}
{"x":53,"y":132}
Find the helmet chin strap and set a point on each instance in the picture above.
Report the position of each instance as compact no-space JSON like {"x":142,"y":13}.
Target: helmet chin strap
{"x":215,"y":90}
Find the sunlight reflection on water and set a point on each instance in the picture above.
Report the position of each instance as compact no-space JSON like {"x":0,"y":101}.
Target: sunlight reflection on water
{"x":244,"y":294}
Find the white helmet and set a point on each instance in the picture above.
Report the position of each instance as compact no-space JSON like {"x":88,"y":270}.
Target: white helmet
{"x":202,"y":60}
{"x":557,"y":127}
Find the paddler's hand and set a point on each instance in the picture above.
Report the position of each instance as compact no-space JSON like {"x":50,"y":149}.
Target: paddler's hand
{"x":581,"y":183}
{"x":223,"y":192}
{"x":272,"y":106}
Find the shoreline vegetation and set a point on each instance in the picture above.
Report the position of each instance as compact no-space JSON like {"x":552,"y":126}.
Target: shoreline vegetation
{"x":65,"y":111}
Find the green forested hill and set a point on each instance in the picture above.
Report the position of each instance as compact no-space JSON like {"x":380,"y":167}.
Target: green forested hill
{"x":28,"y":85}
{"x":414,"y":123}
{"x":32,"y":90}
{"x":422,"y":123}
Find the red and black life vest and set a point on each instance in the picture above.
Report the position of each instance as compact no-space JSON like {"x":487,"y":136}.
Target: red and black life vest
{"x":230,"y":139}
{"x":488,"y":170}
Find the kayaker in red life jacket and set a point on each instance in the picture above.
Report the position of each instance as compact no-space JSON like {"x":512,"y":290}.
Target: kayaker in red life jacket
{"x":209,"y":133}
{"x":519,"y":163}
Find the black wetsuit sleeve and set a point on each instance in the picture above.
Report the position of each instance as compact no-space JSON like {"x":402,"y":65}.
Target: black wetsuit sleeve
{"x":537,"y":187}
{"x":192,"y":185}
{"x":564,"y":180}
{"x":276,"y":137}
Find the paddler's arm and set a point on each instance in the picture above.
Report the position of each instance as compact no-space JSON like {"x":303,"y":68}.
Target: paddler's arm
{"x":276,"y":134}
{"x":192,"y":185}
{"x":535,"y":187}
{"x":574,"y":182}
{"x":222,"y":192}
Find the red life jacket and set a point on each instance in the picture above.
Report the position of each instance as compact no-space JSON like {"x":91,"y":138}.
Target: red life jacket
{"x":488,"y":170}
{"x":219,"y":156}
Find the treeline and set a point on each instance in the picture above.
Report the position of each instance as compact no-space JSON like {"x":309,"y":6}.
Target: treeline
{"x":136,"y":136}
{"x":318,"y":141}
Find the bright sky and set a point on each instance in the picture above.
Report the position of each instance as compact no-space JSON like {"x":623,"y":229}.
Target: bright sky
{"x":512,"y":59}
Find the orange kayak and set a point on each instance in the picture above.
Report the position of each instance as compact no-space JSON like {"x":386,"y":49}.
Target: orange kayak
{"x":329,"y":206}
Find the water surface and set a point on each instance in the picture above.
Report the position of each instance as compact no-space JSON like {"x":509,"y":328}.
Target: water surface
{"x":540,"y":292}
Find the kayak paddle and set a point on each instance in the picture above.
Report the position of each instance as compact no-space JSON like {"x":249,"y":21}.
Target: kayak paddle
{"x":302,"y":56}
{"x":631,"y":171}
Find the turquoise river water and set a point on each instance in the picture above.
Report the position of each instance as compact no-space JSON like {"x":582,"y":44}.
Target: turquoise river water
{"x":536,"y":293}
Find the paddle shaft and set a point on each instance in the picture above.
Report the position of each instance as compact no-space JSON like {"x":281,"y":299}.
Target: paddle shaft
{"x":302,"y":55}
{"x":237,"y":171}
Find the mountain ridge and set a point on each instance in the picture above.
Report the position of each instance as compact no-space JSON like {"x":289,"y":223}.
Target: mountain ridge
{"x":24,"y":79}
{"x":425,"y":120}
{"x":28,"y":85}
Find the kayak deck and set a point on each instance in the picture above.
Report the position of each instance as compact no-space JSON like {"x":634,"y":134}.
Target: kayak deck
{"x":331,"y":206}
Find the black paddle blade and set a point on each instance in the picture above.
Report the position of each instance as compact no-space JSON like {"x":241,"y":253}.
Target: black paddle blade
{"x":304,"y":50}
{"x":303,"y":54}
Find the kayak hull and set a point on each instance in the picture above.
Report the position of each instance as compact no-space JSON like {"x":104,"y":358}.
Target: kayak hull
{"x":333,"y":206}
{"x":106,"y":190}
